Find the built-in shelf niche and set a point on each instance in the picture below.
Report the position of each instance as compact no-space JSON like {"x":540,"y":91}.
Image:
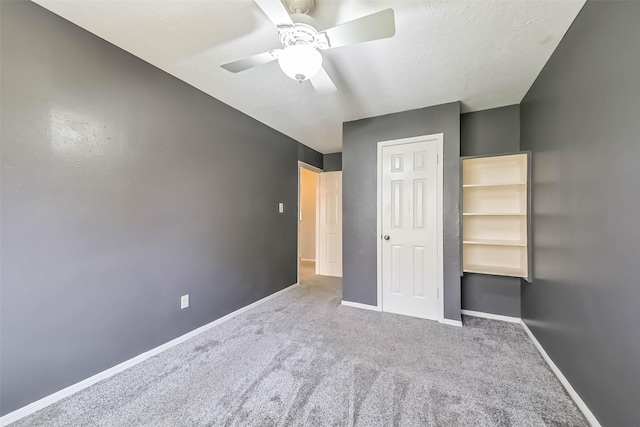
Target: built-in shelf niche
{"x":495,"y":213}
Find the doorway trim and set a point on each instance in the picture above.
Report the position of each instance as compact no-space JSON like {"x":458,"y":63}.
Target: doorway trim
{"x":317,"y":170}
{"x":439,"y":137}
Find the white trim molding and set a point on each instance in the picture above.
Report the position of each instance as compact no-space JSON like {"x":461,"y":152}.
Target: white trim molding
{"x":565,"y":382}
{"x":66,"y":392}
{"x":362,"y":306}
{"x":558,"y":373}
{"x":452,"y":322}
{"x":491,"y":316}
{"x":309,"y":166}
{"x":312,"y":168}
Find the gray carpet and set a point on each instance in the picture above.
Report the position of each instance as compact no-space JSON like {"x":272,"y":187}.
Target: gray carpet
{"x":303,"y":359}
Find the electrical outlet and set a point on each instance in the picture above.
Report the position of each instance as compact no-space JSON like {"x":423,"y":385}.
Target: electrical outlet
{"x":184,"y":301}
{"x":281,"y":207}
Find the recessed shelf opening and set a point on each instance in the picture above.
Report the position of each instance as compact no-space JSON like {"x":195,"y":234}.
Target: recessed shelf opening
{"x":495,"y":207}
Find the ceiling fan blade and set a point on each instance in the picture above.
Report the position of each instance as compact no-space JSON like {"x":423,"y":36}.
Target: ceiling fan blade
{"x":276,"y":12}
{"x":379,"y":25}
{"x":322,"y":83}
{"x":251,"y":61}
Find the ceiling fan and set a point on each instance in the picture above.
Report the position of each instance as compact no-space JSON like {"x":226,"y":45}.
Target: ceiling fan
{"x":300,"y":56}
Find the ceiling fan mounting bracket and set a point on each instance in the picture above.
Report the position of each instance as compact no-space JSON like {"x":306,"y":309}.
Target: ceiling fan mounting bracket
{"x":300,"y":6}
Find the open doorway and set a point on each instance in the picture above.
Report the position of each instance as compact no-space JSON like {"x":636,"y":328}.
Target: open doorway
{"x":307,"y":221}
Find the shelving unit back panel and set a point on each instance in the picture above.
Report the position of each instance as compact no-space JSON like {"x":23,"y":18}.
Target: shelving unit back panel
{"x":498,"y":169}
{"x":495,"y":228}
{"x":508,"y":199}
{"x":509,"y":257}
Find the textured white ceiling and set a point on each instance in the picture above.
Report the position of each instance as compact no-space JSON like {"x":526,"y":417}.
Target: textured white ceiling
{"x":485,"y":53}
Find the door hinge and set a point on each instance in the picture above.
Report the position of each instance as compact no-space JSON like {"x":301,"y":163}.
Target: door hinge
{"x":437,"y":159}
{"x":438,"y":293}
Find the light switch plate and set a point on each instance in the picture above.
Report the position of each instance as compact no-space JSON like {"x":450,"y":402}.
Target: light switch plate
{"x":281,"y":207}
{"x":184,"y":301}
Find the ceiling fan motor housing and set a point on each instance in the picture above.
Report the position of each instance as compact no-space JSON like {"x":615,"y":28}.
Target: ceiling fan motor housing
{"x":300,"y":33}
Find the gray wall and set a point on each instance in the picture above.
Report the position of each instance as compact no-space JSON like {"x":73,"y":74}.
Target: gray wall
{"x":359,"y":163}
{"x":581,"y":119}
{"x":332,"y":162}
{"x":488,"y":132}
{"x":123,"y":188}
{"x":484,"y":133}
{"x":309,"y":156}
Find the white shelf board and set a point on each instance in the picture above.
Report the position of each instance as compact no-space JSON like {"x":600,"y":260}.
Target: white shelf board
{"x":494,"y":242}
{"x":493,"y":214}
{"x":498,"y":184}
{"x":495,"y":270}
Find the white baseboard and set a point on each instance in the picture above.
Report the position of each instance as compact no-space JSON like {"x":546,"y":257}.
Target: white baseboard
{"x":66,"y":392}
{"x":565,"y":382}
{"x":362,"y":306}
{"x":59,"y":395}
{"x":308,"y":259}
{"x":492,"y":316}
{"x":451,"y":322}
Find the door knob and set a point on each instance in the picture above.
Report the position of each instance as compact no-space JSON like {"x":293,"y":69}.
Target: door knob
{"x":386,"y":237}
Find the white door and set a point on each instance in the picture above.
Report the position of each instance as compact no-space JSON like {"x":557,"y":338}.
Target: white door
{"x":330,"y":225}
{"x":410,"y":225}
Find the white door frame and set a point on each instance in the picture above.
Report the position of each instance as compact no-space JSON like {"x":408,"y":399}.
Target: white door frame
{"x":316,"y":170}
{"x":439,"y":137}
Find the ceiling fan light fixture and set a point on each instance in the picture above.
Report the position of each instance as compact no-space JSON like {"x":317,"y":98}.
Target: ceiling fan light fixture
{"x":300,"y":61}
